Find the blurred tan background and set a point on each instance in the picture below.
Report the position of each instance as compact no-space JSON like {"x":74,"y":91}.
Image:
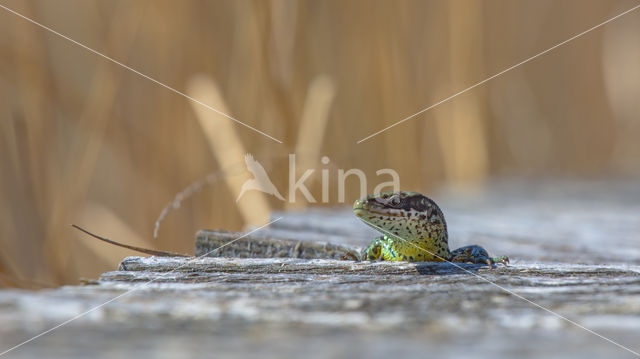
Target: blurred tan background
{"x":85,"y":141}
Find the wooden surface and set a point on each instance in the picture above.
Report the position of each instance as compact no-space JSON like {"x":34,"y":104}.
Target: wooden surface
{"x":575,"y":250}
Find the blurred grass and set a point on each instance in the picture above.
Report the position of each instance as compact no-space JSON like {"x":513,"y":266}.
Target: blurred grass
{"x":85,"y":141}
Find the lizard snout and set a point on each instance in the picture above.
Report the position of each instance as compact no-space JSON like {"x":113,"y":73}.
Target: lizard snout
{"x":362,"y":203}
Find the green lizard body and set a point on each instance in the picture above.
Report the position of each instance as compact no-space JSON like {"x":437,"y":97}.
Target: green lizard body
{"x":413,"y":229}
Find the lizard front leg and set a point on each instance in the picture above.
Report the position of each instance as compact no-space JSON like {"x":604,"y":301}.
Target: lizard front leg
{"x":374,"y":251}
{"x":382,"y":249}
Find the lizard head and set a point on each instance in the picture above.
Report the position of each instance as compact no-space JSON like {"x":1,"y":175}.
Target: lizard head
{"x":404,"y":214}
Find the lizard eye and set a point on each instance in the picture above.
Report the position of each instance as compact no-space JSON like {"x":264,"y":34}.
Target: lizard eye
{"x":395,"y":200}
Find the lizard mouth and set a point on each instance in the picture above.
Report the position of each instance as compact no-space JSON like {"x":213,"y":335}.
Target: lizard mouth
{"x":369,"y":214}
{"x":364,"y":207}
{"x":373,"y":209}
{"x":387,"y":213}
{"x":360,"y":212}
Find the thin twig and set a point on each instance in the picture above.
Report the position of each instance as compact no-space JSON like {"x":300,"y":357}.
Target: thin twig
{"x":134,"y":248}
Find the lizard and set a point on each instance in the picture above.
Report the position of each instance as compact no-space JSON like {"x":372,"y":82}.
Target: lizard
{"x":413,"y":229}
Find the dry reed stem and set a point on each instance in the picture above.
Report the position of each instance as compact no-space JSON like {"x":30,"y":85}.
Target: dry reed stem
{"x":313,"y":125}
{"x":226,"y":146}
{"x":462,"y":135}
{"x":92,"y":125}
{"x":34,"y":88}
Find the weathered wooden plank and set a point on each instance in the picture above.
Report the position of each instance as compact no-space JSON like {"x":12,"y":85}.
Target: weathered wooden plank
{"x":328,"y":266}
{"x":378,"y":306}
